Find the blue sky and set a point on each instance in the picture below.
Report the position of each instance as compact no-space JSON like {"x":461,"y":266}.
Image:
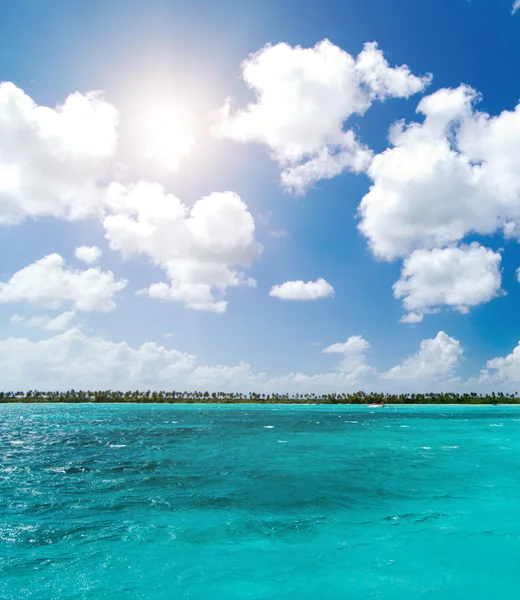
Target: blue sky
{"x":295,"y":156}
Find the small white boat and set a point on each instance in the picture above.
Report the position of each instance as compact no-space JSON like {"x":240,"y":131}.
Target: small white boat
{"x":376,"y":405}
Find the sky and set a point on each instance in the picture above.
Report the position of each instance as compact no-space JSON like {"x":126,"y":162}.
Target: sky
{"x":267,"y":196}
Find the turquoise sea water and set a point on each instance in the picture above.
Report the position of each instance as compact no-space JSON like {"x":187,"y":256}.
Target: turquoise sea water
{"x":228,"y":502}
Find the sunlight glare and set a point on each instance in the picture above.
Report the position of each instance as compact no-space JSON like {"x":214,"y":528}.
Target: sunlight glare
{"x":167,"y":138}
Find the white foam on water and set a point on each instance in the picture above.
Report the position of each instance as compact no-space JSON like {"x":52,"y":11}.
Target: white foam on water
{"x":405,"y":426}
{"x":268,"y":426}
{"x":282,"y":441}
{"x":496,"y":425}
{"x":117,"y":446}
{"x":351,"y":421}
{"x":449,"y":447}
{"x":426,"y":447}
{"x":16,"y":443}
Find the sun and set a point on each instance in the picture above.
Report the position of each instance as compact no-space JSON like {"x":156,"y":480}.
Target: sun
{"x":167,"y":137}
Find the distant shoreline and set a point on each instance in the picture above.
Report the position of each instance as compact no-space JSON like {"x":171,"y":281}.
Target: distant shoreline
{"x":377,"y":400}
{"x":290,"y":402}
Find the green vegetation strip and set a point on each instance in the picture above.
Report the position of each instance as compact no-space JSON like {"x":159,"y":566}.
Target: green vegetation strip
{"x":73,"y":396}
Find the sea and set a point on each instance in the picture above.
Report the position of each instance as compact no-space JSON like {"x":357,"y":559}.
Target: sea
{"x":228,"y":502}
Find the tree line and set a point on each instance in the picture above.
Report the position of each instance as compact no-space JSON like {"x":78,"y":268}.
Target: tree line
{"x":166,"y":397}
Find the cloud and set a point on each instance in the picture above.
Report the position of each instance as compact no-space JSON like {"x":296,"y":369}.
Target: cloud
{"x":516,"y":6}
{"x":49,"y":283}
{"x":71,"y":359}
{"x":432,"y":368}
{"x":57,"y":162}
{"x":74,"y":360}
{"x":412,"y":318}
{"x":222,"y":377}
{"x":436,"y":359}
{"x":200,"y":248}
{"x":303,"y":96}
{"x":298,"y":290}
{"x":52,"y":159}
{"x":504,"y":369}
{"x":453,"y":277}
{"x":354,"y":356}
{"x":318,"y":383}
{"x":61,"y":322}
{"x":277,"y":233}
{"x":457,"y":172}
{"x":88,"y":254}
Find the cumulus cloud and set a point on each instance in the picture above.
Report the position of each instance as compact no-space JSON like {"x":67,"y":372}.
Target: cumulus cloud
{"x":200,"y":248}
{"x":431,"y":368}
{"x":412,"y":318}
{"x":318,"y":383}
{"x":516,"y":6}
{"x":71,"y":359}
{"x":49,"y":283}
{"x":88,"y":254}
{"x":56,"y":162}
{"x":436,"y":359}
{"x":223,"y":377}
{"x":51,"y":159}
{"x":457,"y":172}
{"x":59,"y":323}
{"x":453,"y":277}
{"x":74,"y":359}
{"x":353,"y":352}
{"x":303,"y":96}
{"x":505,"y":369}
{"x":299,"y":290}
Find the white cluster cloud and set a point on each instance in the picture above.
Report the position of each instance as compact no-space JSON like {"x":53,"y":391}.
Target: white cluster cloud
{"x":454,"y":277}
{"x":299,"y":290}
{"x":88,"y":254}
{"x":56,"y":162}
{"x":61,"y":322}
{"x":199,"y":248}
{"x":51,"y":160}
{"x":456,"y":173}
{"x":49,"y":283}
{"x":222,"y":377}
{"x":504,"y":369}
{"x":303,"y":96}
{"x":71,"y":359}
{"x":516,"y":6}
{"x":354,"y":356}
{"x":412,"y":317}
{"x":436,"y":359}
